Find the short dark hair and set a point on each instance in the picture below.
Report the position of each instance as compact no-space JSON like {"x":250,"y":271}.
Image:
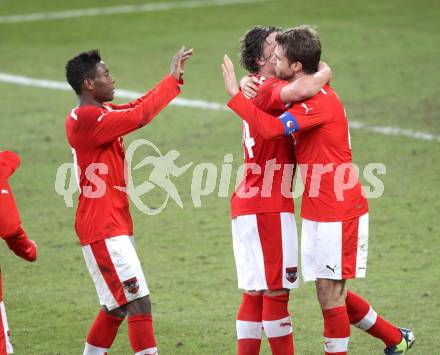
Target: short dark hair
{"x":302,"y":44}
{"x":252,"y":46}
{"x":82,"y":67}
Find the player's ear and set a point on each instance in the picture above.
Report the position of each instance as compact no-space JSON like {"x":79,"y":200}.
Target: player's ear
{"x":296,"y":67}
{"x":88,"y":84}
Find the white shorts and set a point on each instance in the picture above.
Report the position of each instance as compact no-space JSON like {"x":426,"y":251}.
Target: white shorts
{"x":334,"y":250}
{"x":5,"y":337}
{"x":266,"y":251}
{"x":116,"y":271}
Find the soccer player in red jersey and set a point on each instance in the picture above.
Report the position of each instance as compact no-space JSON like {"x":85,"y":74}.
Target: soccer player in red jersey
{"x":13,"y":234}
{"x":263,"y":222}
{"x":334,"y":210}
{"x":103,"y":223}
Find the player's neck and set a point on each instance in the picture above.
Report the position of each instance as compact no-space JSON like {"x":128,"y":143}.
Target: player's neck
{"x":89,"y":101}
{"x":298,"y":75}
{"x":266,"y":73}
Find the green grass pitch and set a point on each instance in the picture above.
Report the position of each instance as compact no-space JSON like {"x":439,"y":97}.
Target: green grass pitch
{"x":384,"y":56}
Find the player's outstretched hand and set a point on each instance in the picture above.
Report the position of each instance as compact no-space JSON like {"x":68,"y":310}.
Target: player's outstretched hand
{"x":231,"y":85}
{"x":249,"y":86}
{"x":177,"y":68}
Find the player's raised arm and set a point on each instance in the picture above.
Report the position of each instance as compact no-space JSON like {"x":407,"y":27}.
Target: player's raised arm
{"x":306,"y":86}
{"x":103,"y":127}
{"x":299,"y":118}
{"x":100,"y":122}
{"x":176,"y":70}
{"x":298,"y":90}
{"x":266,"y":125}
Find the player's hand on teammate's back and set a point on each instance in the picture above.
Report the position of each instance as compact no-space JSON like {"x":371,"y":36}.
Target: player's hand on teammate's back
{"x":249,"y":86}
{"x":229,"y":77}
{"x":178,"y":62}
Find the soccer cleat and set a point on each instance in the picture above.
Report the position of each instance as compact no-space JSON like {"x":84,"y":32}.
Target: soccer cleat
{"x":407,"y":342}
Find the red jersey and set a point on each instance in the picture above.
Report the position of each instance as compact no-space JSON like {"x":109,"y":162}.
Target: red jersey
{"x":268,"y":160}
{"x":95,"y":134}
{"x":10,"y":223}
{"x":332,"y":191}
{"x":9,"y":217}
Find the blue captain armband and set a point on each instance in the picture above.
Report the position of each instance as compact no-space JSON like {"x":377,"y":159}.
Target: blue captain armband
{"x":289,"y":122}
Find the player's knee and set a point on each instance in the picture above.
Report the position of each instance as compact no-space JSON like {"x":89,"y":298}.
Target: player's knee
{"x":139,"y":306}
{"x":253,"y":293}
{"x":281,"y":291}
{"x":331,"y":293}
{"x":119,"y":312}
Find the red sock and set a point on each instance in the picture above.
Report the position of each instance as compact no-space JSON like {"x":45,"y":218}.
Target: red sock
{"x":249,"y":324}
{"x":363,"y":316}
{"x":336,"y":330}
{"x":277,"y":324}
{"x":141,"y":334}
{"x":103,"y":330}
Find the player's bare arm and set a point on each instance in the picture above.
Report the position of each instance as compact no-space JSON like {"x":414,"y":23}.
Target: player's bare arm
{"x":306,"y":86}
{"x":299,"y":90}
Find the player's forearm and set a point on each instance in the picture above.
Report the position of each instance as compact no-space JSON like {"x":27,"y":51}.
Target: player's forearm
{"x":306,"y":86}
{"x":134,"y":103}
{"x":21,"y":245}
{"x":267,"y":126}
{"x":118,"y":123}
{"x":159,"y":97}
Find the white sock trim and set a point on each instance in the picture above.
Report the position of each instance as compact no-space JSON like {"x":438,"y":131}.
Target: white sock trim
{"x":249,"y":330}
{"x":149,"y":351}
{"x":368,"y":321}
{"x":94,"y":350}
{"x":336,"y":345}
{"x":278,"y":328}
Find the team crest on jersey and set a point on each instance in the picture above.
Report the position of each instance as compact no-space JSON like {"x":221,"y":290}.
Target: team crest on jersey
{"x":291,"y":274}
{"x":131,"y":285}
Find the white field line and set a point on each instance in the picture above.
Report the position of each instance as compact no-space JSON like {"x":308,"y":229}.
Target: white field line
{"x":121,"y":93}
{"x":150,"y":7}
{"x":206,"y":105}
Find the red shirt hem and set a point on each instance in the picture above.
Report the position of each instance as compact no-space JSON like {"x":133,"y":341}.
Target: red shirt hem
{"x":108,"y":236}
{"x":335,"y":219}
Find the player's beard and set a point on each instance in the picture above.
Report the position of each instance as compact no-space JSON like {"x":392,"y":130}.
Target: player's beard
{"x":285,"y":76}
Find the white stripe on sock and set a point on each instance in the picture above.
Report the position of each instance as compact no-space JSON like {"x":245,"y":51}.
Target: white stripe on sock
{"x":368,"y":321}
{"x":278,"y":328}
{"x":249,"y":330}
{"x":94,"y":350}
{"x":336,"y":345}
{"x":149,"y":351}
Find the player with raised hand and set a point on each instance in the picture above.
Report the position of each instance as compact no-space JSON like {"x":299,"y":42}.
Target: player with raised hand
{"x":263,"y":223}
{"x":12,"y":233}
{"x":334,"y":239}
{"x":103,"y":223}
